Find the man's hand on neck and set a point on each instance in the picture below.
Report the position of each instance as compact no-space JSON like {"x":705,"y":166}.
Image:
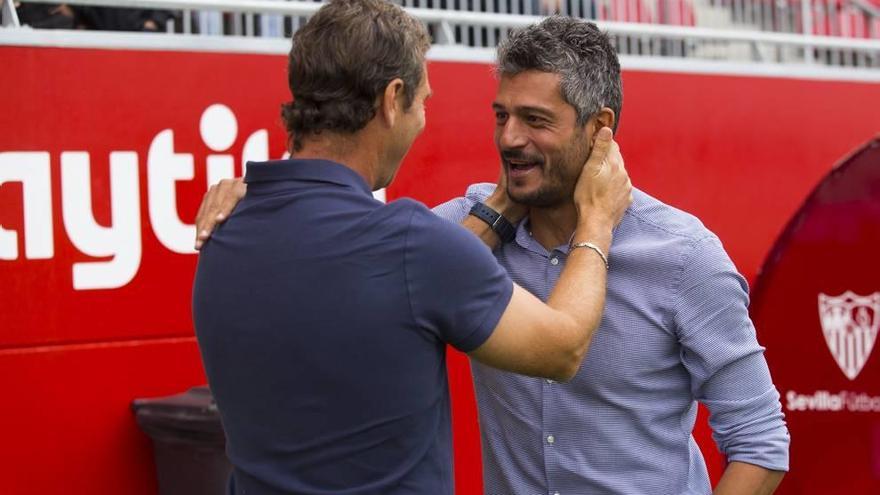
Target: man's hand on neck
{"x":502,"y":203}
{"x":603,"y":192}
{"x":596,"y":206}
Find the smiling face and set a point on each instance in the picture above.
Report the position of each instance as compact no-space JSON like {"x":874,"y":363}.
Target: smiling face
{"x":542,"y":147}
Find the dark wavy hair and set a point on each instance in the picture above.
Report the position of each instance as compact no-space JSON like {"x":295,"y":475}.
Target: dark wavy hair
{"x":344,"y":58}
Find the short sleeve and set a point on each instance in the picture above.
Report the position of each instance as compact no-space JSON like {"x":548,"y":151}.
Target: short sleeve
{"x":457,"y":289}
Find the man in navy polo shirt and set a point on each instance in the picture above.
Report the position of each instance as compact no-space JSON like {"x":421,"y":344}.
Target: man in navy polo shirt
{"x":323,"y":315}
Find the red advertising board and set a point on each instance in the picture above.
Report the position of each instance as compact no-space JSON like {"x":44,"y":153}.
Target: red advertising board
{"x":817,"y":303}
{"x":105,"y":154}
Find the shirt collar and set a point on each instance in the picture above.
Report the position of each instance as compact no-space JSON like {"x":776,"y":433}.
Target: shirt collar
{"x":526,"y":241}
{"x":305,"y":169}
{"x":524,"y":235}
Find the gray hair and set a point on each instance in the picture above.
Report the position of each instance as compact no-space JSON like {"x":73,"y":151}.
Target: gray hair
{"x":579,"y":52}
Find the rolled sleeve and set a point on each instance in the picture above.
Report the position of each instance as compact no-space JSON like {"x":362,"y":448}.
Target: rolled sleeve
{"x":720,"y":350}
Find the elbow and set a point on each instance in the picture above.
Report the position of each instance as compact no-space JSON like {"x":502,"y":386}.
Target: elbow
{"x":562,"y":350}
{"x":565,"y":375}
{"x":776,"y":477}
{"x":570,"y":364}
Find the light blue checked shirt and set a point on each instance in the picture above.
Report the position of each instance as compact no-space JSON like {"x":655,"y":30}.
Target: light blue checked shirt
{"x":675,"y":331}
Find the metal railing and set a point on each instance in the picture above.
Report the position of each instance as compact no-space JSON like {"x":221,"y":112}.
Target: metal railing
{"x":845,"y":18}
{"x":663,"y":27}
{"x":8,"y":16}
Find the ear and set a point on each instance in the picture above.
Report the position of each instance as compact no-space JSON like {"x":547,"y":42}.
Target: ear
{"x":603,"y":118}
{"x":391,"y":102}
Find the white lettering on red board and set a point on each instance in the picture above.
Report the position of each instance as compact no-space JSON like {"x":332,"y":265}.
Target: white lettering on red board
{"x":825,"y":401}
{"x":121,"y":240}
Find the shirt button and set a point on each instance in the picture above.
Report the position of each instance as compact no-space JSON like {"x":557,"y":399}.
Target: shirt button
{"x":554,"y":261}
{"x":551,"y":439}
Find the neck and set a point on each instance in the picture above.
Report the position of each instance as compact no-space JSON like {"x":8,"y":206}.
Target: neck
{"x":553,"y":226}
{"x":350,"y":150}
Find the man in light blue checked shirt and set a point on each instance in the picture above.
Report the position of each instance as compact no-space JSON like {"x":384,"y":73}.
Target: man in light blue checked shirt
{"x":675,"y":330}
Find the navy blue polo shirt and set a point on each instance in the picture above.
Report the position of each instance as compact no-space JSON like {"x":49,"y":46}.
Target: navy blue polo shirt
{"x":323,"y":316}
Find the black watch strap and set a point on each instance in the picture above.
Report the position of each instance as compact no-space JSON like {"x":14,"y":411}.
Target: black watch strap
{"x":505,"y":230}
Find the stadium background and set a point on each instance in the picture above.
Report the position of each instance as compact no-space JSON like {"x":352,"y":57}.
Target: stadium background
{"x":739,"y":142}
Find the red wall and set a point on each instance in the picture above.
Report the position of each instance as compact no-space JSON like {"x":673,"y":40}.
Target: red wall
{"x":740,"y":152}
{"x":829,"y":319}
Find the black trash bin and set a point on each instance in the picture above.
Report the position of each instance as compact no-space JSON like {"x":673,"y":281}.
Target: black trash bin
{"x":188,"y":442}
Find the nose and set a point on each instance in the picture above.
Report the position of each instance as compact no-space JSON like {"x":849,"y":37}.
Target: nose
{"x":511,"y":135}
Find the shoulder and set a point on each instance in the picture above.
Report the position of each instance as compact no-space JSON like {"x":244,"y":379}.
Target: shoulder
{"x":411,"y":212}
{"x":649,"y":215}
{"x":663,"y":241}
{"x":423,"y":228}
{"x":435,"y":233}
{"x":399,"y":214}
{"x":479,"y":191}
{"x":456,"y":209}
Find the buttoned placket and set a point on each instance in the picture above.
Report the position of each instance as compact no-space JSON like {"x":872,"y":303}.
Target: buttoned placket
{"x":555,"y":262}
{"x":550,"y":396}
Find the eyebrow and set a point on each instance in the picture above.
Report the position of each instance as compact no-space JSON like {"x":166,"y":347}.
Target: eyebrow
{"x":526,"y":109}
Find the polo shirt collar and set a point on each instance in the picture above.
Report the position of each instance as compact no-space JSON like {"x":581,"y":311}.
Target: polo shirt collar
{"x":305,"y":170}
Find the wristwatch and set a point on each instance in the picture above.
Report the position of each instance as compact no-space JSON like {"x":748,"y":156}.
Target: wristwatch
{"x":505,"y":230}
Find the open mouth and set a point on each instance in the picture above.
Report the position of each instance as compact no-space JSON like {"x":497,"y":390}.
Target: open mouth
{"x":520,"y":168}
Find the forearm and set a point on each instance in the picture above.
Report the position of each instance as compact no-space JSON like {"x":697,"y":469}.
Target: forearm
{"x":551,"y":340}
{"x":602,"y":195}
{"x":741,"y":478}
{"x":502,"y":204}
{"x":580,"y":291}
{"x":482,"y":230}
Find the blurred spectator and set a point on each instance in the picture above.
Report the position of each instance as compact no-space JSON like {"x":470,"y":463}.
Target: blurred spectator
{"x":62,"y":16}
{"x":45,"y":15}
{"x":118,"y":19}
{"x":548,"y":7}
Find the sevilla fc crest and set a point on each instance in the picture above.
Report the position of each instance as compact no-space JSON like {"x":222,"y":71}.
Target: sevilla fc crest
{"x":850,"y":323}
